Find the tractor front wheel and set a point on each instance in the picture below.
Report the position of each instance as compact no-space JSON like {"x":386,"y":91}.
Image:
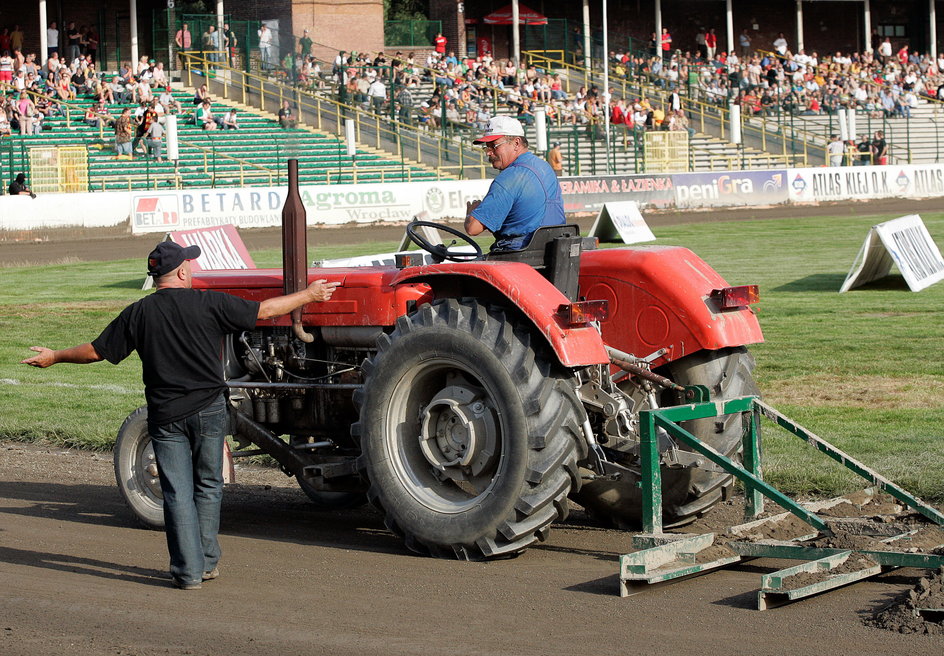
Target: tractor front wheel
{"x":470,"y":438}
{"x":136,"y":470}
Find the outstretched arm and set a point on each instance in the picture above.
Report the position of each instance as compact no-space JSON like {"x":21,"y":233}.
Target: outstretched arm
{"x":82,"y":354}
{"x":319,"y":290}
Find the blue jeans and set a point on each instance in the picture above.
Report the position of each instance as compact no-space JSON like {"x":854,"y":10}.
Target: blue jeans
{"x":190,"y":461}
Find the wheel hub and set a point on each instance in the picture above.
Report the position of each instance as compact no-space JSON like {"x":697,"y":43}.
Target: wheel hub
{"x":149,"y":475}
{"x":458,"y":432}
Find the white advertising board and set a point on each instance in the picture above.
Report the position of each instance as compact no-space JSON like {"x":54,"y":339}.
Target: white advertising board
{"x":83,"y":210}
{"x":905,"y":242}
{"x":861,"y":182}
{"x":621,"y":221}
{"x":256,"y":207}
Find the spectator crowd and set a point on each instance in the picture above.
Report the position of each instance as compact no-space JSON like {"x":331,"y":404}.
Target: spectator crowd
{"x":885,"y":83}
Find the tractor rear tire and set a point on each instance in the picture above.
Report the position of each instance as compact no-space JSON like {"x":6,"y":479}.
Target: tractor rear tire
{"x":690,"y":492}
{"x":134,"y":457}
{"x":470,"y":438}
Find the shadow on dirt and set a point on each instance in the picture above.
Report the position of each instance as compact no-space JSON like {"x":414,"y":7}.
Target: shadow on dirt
{"x":80,"y":565}
{"x":253,"y":511}
{"x":606,"y":586}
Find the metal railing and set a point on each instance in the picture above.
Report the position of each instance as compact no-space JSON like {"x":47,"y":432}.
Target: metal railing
{"x":132,"y":181}
{"x":412,"y":146}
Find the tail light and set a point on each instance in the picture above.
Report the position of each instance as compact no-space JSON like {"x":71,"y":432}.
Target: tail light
{"x":583,"y":312}
{"x":735,"y":297}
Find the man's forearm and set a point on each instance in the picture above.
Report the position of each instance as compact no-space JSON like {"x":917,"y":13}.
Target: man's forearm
{"x":82,"y":354}
{"x":276,"y":307}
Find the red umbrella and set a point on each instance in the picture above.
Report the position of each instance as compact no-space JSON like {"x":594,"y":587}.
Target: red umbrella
{"x":526,"y":16}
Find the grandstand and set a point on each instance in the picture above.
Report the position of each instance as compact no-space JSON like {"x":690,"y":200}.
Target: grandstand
{"x":255,"y":154}
{"x":789,"y":134}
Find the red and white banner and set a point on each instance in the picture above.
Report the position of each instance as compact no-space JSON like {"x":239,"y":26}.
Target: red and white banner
{"x":221,"y":248}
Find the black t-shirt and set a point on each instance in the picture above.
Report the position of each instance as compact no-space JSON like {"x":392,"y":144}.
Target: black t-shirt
{"x":16,"y":188}
{"x":178,"y":333}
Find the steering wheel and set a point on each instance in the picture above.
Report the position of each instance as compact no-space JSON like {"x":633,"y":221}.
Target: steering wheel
{"x":442,"y":252}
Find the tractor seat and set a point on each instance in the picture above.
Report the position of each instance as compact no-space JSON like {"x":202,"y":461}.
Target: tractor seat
{"x":555,"y":252}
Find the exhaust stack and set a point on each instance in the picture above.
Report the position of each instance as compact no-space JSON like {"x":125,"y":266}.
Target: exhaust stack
{"x":295,"y":247}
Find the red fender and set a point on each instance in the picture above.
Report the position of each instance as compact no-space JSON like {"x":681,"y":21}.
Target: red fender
{"x":528,"y":290}
{"x":659,"y":298}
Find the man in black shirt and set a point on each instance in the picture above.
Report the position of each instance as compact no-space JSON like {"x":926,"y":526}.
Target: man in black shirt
{"x":178,"y":333}
{"x":864,"y":148}
{"x":18,"y":187}
{"x":286,"y":116}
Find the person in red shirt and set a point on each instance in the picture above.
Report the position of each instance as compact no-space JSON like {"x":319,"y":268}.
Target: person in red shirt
{"x":711,"y":44}
{"x":440,"y":43}
{"x":666,"y":43}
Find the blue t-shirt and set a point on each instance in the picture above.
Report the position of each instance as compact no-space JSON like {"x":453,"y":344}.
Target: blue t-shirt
{"x":524,"y":197}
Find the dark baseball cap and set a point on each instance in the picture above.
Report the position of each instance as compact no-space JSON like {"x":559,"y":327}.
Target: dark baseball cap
{"x":168,"y":255}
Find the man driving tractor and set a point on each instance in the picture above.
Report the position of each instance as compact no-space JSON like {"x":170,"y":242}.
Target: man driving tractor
{"x":524,"y":197}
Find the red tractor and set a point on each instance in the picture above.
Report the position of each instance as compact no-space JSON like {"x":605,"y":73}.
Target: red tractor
{"x":469,"y":399}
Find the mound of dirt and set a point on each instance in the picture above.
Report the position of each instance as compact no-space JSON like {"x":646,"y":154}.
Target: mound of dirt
{"x":919,"y":610}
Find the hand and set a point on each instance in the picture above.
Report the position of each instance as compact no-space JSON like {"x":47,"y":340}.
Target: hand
{"x":46,"y":357}
{"x":321,"y":290}
{"x":471,"y":205}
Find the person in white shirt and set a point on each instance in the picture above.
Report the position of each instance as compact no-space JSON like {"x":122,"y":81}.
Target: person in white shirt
{"x":230,"y":120}
{"x":836,"y":149}
{"x":377,"y":94}
{"x":52,"y":39}
{"x":780,"y":45}
{"x":167,"y":101}
{"x":885,"y":49}
{"x":158,"y":76}
{"x":265,"y":47}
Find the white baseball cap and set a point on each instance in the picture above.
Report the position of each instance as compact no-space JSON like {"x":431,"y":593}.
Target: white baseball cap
{"x":501,"y":126}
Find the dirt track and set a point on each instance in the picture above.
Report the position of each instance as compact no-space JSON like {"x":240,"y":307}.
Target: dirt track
{"x":80,"y":578}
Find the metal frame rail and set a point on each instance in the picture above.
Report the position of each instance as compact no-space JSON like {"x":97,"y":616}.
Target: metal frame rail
{"x":663,"y":556}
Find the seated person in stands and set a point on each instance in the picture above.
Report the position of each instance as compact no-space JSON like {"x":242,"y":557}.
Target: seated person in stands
{"x":119,"y":93}
{"x":80,"y":81}
{"x":93,"y":115}
{"x":106,"y":94}
{"x":168,"y":102}
{"x":200,"y":95}
{"x":19,"y":188}
{"x":158,"y":76}
{"x":126,"y":73}
{"x":141,"y":91}
{"x":287,"y":116}
{"x":525,"y":115}
{"x":5,"y":130}
{"x":204,"y":116}
{"x":230,"y":120}
{"x":525,"y":196}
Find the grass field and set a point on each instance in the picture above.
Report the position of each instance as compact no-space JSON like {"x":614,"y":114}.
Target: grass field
{"x":864,"y":369}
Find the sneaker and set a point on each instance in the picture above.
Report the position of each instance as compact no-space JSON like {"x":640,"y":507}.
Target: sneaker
{"x":212,"y":574}
{"x":187,"y":585}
